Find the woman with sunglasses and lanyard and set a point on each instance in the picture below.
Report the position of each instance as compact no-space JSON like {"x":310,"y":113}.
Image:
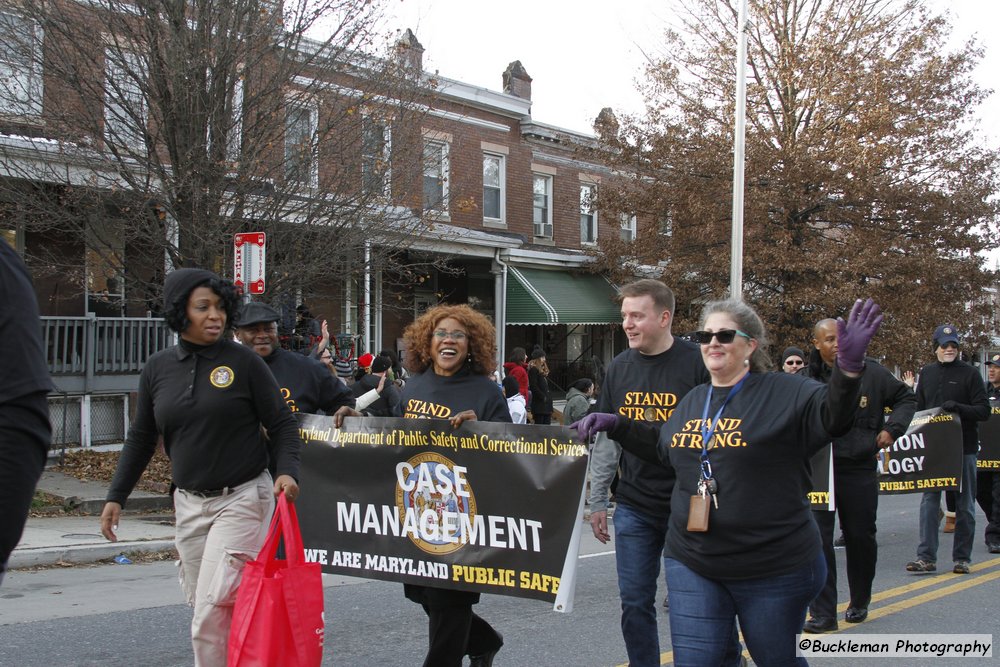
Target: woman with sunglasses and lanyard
{"x":451,"y":351}
{"x":742,"y":542}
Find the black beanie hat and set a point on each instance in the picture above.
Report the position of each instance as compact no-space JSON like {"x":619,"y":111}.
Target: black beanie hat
{"x":792,"y":352}
{"x":180,"y":282}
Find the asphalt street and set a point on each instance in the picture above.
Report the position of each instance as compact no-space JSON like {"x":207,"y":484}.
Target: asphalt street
{"x":133,"y":614}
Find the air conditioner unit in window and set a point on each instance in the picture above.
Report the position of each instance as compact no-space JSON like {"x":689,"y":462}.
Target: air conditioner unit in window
{"x":543,"y":230}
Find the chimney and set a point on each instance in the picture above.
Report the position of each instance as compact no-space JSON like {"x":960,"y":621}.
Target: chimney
{"x":410,"y":53}
{"x":516,"y":81}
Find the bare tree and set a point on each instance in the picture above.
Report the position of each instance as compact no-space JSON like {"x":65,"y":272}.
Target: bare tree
{"x":865,"y":174}
{"x":166,"y":126}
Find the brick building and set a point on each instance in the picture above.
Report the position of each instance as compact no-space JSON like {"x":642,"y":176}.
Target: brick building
{"x":499,"y":206}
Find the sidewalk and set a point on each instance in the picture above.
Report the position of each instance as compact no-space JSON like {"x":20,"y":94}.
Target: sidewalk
{"x":69,"y":538}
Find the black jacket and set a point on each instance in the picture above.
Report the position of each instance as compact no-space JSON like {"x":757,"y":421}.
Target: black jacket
{"x":881,"y":394}
{"x":959,"y":383}
{"x":541,"y":397}
{"x":388,"y":403}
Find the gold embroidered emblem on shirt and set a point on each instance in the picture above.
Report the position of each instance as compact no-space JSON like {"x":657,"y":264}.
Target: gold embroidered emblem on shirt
{"x":221,"y":377}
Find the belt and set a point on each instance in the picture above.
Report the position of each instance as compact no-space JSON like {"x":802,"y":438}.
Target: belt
{"x":211,"y":493}
{"x":224,"y":491}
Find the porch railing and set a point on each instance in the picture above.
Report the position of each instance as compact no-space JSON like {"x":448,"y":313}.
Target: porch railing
{"x":92,"y":347}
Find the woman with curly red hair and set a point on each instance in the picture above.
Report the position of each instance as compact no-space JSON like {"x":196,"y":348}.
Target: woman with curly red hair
{"x":451,"y":353}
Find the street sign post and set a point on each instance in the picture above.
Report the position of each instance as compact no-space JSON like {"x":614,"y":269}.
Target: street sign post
{"x":249,"y":251}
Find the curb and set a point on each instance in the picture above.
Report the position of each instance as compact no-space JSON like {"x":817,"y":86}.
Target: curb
{"x":135,"y":503}
{"x":81,"y":553}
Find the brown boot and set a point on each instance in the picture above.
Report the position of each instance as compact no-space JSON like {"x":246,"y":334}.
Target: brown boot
{"x":949,"y":522}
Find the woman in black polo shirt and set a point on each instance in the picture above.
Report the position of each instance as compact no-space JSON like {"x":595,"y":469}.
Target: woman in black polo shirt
{"x":209,"y":398}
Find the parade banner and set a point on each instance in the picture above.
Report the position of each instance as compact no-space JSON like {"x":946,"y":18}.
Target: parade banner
{"x":821,"y":496}
{"x":928,"y":457}
{"x":488,"y":507}
{"x":989,"y":440}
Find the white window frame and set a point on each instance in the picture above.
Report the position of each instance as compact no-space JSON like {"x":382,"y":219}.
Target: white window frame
{"x":629,"y":227}
{"x":543,"y":229}
{"x":119,"y":121}
{"x":501,"y":186}
{"x":24,"y":80}
{"x":309,"y":106}
{"x":588,"y":192}
{"x":443,"y":149}
{"x":666,"y":224}
{"x":369,"y":161}
{"x":234,"y":139}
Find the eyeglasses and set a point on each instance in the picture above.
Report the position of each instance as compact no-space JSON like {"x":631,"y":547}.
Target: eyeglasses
{"x":950,"y":345}
{"x":441,"y":334}
{"x":725,"y":336}
{"x":794,"y":362}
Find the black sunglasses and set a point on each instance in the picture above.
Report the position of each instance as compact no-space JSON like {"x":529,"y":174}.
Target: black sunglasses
{"x":794,"y":362}
{"x":725,"y":336}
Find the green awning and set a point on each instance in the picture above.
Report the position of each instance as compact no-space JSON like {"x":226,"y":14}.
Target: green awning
{"x":536,"y":296}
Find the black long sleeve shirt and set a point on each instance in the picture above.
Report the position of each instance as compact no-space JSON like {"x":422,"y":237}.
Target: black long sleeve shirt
{"x":209,"y":404}
{"x":879,"y":390}
{"x":649,"y":388}
{"x":760,"y":459}
{"x":306,"y":384}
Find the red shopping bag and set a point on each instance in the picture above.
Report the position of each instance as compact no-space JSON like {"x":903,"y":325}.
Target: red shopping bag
{"x":278,"y":617}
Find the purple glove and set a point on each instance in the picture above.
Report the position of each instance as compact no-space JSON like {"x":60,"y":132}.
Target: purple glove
{"x":594,"y":423}
{"x":854,"y":335}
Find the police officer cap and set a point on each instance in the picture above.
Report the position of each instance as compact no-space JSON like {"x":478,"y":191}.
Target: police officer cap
{"x":994,"y":360}
{"x":256,"y":313}
{"x":945,"y":333}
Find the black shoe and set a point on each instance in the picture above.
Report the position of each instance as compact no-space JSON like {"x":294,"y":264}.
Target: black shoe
{"x":856,"y":614}
{"x":993,"y":547}
{"x":819,"y":625}
{"x":486,"y":659}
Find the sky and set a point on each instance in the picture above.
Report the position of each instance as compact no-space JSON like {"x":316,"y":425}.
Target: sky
{"x":584,"y":55}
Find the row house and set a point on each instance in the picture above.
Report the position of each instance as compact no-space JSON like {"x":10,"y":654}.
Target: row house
{"x":498,"y":213}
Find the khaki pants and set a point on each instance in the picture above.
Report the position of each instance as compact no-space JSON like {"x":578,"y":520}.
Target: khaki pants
{"x":215,"y":538}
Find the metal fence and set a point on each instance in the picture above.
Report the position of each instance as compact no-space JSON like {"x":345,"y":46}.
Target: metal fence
{"x":95,"y":363}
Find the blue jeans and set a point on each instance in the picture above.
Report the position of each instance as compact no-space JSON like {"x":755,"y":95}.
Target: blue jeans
{"x":965,"y":518}
{"x":639,"y":541}
{"x":771,"y":611}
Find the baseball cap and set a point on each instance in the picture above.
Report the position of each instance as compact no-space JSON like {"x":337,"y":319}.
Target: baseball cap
{"x":994,"y":360}
{"x":255,"y":313}
{"x":945,"y":333}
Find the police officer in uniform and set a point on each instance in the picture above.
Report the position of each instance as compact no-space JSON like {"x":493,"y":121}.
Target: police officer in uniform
{"x":306,"y":385}
{"x":988,"y":481}
{"x":855,"y":483}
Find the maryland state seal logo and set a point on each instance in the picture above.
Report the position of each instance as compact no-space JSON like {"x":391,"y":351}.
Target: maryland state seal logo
{"x":433,"y":489}
{"x":221,"y":377}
